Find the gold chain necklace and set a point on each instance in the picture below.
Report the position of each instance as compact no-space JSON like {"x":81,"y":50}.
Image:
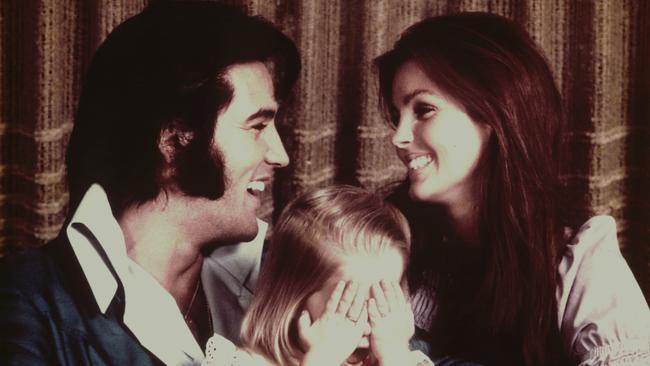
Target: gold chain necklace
{"x":186,"y":313}
{"x":187,"y":316}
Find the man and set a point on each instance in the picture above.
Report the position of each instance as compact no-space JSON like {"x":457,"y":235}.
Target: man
{"x":174,"y":140}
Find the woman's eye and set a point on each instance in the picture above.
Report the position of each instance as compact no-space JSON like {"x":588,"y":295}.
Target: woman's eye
{"x":423,"y":110}
{"x":393,"y":115}
{"x":394,"y":119}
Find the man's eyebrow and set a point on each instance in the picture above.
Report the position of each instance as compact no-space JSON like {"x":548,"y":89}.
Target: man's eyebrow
{"x":264,"y":113}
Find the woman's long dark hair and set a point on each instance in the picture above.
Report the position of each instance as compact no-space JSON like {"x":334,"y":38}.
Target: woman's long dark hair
{"x":495,"y":303}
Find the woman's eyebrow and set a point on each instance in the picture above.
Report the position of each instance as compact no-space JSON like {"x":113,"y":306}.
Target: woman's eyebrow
{"x":408,"y":97}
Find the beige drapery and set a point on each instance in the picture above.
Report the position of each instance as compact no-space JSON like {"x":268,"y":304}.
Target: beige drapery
{"x":599,"y":51}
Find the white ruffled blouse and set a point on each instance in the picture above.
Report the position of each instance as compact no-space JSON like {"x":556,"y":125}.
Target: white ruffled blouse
{"x":603,"y":317}
{"x":602,"y":314}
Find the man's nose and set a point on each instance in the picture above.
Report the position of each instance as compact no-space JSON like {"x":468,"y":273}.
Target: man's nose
{"x":276,"y":155}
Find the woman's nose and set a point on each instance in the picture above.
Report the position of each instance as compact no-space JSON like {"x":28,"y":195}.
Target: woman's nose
{"x":403,"y":134}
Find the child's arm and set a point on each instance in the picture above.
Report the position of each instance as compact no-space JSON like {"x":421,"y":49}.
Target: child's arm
{"x":391,"y":319}
{"x":333,"y":337}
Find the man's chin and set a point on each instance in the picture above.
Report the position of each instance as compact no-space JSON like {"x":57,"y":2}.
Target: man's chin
{"x":248,"y":236}
{"x":244,"y":235}
{"x":244,"y":232}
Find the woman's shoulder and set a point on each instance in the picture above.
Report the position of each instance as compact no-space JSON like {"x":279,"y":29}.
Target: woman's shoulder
{"x":598,"y":233}
{"x":601,"y":309}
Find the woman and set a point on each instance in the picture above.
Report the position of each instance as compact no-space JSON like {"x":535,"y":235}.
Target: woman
{"x":478,"y":123}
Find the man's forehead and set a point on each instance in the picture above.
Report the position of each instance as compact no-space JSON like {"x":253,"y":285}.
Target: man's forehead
{"x":253,"y":81}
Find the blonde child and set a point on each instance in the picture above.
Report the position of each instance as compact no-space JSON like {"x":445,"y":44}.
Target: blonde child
{"x":332,"y":288}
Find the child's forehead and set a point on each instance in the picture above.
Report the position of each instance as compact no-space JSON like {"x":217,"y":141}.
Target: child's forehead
{"x":370,"y":268}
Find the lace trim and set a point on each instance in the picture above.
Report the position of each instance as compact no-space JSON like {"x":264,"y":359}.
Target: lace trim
{"x":635,"y":352}
{"x":220,"y":351}
{"x":420,"y":359}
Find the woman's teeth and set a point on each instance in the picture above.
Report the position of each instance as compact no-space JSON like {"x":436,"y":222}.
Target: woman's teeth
{"x":419,"y":162}
{"x":256,"y":186}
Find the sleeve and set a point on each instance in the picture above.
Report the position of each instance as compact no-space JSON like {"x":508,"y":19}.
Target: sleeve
{"x":604,"y":318}
{"x":420,"y":359}
{"x":23,"y":332}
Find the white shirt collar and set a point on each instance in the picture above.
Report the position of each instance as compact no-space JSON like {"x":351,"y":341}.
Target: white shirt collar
{"x":229,"y":275}
{"x":242,"y":260}
{"x":151,"y":313}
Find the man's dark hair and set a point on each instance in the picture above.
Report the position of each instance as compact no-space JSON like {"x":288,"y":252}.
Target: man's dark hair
{"x":166,"y":66}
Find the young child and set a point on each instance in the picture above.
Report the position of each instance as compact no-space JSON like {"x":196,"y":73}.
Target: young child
{"x":332,"y":288}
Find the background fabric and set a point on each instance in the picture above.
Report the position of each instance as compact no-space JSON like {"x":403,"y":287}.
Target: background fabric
{"x":333,"y":129}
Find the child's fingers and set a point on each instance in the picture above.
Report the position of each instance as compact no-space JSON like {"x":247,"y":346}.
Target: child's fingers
{"x":347,"y":298}
{"x":373,"y":312}
{"x":358,"y":303}
{"x":401,"y":296}
{"x":404,"y":297}
{"x":335,"y":297}
{"x":380,"y":299}
{"x":362,"y":321}
{"x":391,"y":295}
{"x":304,"y":325}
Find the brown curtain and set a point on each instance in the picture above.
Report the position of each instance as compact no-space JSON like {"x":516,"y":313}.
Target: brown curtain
{"x":334,"y":132}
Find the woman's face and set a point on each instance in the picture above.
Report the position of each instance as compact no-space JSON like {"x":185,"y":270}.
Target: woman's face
{"x":364,"y":270}
{"x":437,"y":141}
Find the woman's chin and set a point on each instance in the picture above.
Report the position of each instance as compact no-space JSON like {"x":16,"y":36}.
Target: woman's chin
{"x":418,"y":191}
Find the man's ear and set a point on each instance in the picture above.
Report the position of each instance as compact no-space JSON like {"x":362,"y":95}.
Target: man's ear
{"x":172,"y":137}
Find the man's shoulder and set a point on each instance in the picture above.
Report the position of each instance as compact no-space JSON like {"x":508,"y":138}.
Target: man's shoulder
{"x":47,"y":313}
{"x":32,"y":271}
{"x":49,"y":280}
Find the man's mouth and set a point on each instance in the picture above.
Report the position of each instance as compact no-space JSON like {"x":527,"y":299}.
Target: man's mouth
{"x":419,"y":162}
{"x":256,"y":187}
{"x":359,"y":356}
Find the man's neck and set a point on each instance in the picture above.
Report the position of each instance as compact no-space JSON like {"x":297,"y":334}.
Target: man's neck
{"x":157,"y":242}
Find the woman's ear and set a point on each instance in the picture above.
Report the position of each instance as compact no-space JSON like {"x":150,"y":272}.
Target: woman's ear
{"x":173,"y":136}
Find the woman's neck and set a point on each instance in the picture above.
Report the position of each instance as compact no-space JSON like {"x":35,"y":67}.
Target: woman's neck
{"x":464,"y":219}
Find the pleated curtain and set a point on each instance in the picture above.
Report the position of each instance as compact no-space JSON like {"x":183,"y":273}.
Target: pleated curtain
{"x":332,"y":127}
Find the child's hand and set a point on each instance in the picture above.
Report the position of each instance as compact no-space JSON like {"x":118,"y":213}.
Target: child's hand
{"x":334,"y":336}
{"x":391,"y":319}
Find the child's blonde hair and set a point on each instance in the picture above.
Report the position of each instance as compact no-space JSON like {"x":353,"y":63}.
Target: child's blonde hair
{"x":311,"y":235}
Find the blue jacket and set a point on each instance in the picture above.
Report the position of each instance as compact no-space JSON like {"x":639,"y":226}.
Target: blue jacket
{"x":48,"y":315}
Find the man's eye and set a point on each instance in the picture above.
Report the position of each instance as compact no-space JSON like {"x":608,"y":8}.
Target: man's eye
{"x":259,"y":126}
{"x":424,"y":110}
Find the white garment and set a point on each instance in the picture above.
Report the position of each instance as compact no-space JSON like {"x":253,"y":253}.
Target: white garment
{"x":151,"y":313}
{"x":603,"y":317}
{"x":229,"y":275}
{"x":222,"y":352}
